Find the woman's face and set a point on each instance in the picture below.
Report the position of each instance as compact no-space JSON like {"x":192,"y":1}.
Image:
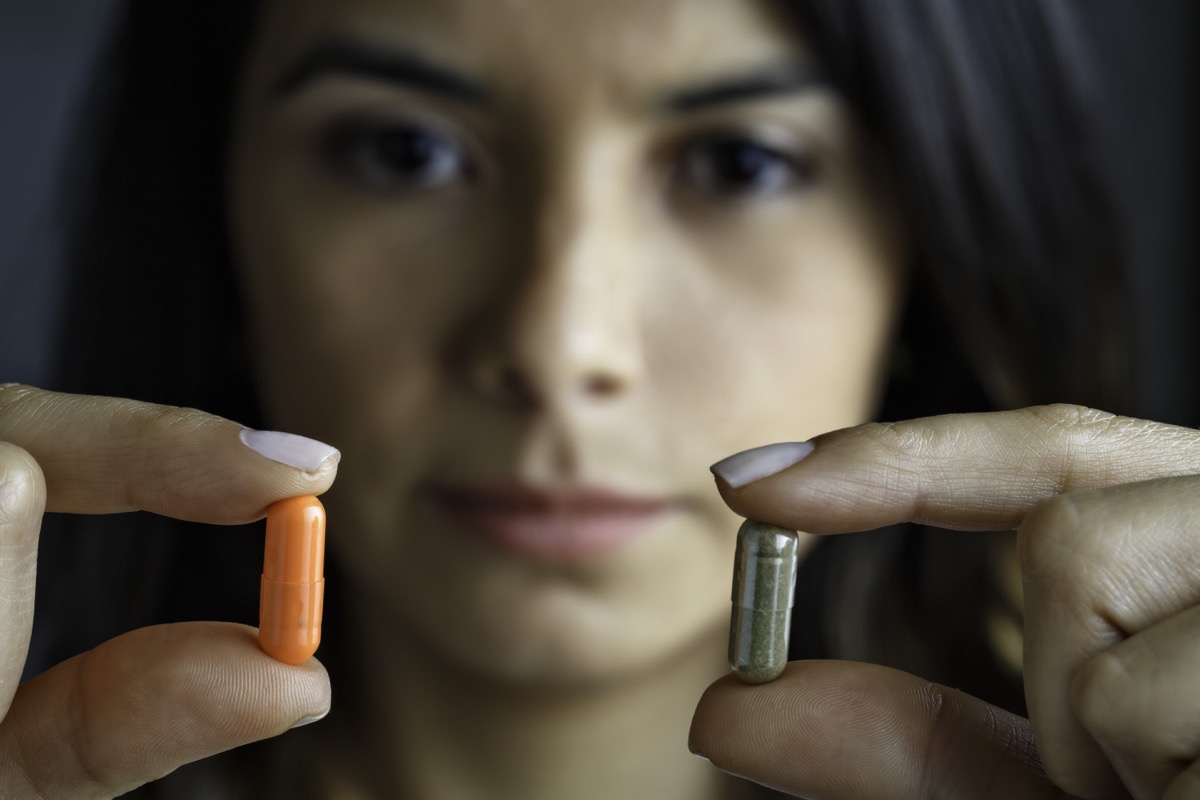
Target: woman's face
{"x":532,"y":267}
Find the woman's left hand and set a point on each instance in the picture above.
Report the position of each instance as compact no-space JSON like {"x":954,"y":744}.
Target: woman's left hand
{"x":1107,"y":511}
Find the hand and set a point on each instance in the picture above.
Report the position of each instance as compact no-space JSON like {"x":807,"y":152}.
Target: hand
{"x":1107,"y":511}
{"x":139,"y":705}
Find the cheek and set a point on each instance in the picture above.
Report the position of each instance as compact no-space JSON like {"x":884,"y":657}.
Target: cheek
{"x":351,"y":303}
{"x":773,"y":336}
{"x":352,"y":297}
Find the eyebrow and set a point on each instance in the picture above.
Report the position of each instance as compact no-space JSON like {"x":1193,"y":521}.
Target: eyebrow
{"x":769,"y":82}
{"x":371,"y":61}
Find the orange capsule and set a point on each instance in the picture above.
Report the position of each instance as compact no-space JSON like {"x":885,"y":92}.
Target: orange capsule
{"x":293,"y":582}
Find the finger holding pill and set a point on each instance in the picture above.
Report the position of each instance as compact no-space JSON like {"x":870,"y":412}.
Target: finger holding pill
{"x":764,"y":582}
{"x":293,"y":584}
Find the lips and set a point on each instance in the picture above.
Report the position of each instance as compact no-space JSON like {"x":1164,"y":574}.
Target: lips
{"x":553,"y":525}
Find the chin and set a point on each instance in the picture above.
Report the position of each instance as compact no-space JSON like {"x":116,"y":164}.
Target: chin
{"x":500,"y":617}
{"x":559,"y":638}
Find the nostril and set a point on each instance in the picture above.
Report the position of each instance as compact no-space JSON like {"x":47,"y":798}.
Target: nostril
{"x":504,"y":381}
{"x":511,"y":384}
{"x":601,"y":385}
{"x":500,"y":382}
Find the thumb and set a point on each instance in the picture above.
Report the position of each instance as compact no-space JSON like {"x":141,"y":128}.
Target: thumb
{"x":146,"y":702}
{"x":834,"y":730}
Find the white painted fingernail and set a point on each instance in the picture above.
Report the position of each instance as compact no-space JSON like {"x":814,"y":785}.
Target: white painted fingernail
{"x":751,"y":465}
{"x":288,"y":448}
{"x":300,"y":723}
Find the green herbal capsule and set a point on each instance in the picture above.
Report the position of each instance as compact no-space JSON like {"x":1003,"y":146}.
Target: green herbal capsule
{"x":764,"y":580}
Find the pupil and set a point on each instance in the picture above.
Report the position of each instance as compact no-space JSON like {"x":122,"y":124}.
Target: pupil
{"x":406,"y":149}
{"x":737,"y":163}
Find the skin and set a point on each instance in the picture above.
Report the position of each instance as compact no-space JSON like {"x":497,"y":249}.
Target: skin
{"x":574,"y":260}
{"x":547,"y":310}
{"x":1105,"y":508}
{"x":138,"y":706}
{"x":622,"y":312}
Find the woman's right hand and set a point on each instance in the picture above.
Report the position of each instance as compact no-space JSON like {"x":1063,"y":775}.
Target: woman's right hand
{"x":142,"y":704}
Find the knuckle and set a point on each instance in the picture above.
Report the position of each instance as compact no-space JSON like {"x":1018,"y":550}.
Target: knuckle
{"x":1072,"y":419}
{"x":882,"y":442}
{"x":903,"y":454}
{"x":1073,"y":536}
{"x":1105,"y":696}
{"x":907,"y":440}
{"x":165,"y":452}
{"x":1070,"y":436}
{"x":149,"y":420}
{"x":896,"y":435}
{"x":15,"y":399}
{"x":157,"y":431}
{"x":22,"y":485}
{"x":1054,"y":538}
{"x":11,"y":393}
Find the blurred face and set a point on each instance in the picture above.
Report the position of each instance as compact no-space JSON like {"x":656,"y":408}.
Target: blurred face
{"x":532,"y":266}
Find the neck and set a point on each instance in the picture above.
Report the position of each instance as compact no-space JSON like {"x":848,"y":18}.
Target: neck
{"x":447,"y":733}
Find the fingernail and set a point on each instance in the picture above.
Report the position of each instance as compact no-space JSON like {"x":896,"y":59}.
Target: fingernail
{"x":288,"y":448}
{"x":309,"y":720}
{"x":698,"y":754}
{"x":751,"y":465}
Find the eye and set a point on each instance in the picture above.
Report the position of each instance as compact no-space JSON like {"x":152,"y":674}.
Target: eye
{"x":395,"y":156}
{"x":738,"y":166}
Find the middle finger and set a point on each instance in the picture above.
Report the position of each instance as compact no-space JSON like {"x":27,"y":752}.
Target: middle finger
{"x":1100,"y":567}
{"x":1139,"y":701}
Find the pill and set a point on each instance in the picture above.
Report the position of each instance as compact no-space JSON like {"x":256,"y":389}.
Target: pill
{"x":293,"y":583}
{"x":764,"y":582}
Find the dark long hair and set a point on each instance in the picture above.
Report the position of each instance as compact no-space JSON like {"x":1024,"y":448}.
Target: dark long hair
{"x":989,"y":114}
{"x":149,"y":311}
{"x":986,"y":111}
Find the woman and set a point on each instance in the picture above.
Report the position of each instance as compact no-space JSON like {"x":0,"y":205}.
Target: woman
{"x":528,"y":267}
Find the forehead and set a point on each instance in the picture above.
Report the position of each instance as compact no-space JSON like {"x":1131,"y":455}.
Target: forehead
{"x":628,"y":49}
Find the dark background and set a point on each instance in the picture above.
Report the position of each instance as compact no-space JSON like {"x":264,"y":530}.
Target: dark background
{"x":1149,"y":71}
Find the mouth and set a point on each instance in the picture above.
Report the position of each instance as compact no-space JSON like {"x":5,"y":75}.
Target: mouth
{"x":556,"y":525}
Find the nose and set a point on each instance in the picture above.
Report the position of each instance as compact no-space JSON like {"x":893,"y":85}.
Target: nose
{"x":565,"y":330}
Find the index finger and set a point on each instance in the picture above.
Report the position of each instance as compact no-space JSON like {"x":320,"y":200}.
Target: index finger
{"x":102,"y":455}
{"x":965,"y":471}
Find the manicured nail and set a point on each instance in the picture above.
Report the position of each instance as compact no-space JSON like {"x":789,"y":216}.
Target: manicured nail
{"x":309,"y":720}
{"x":288,"y":448}
{"x":751,"y":465}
